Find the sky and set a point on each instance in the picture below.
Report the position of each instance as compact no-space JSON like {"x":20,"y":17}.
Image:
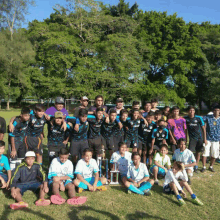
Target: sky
{"x":189,"y":10}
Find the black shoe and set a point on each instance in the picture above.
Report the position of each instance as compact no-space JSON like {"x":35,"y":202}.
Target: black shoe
{"x":203,"y":170}
{"x":196,"y":170}
{"x":211,"y":169}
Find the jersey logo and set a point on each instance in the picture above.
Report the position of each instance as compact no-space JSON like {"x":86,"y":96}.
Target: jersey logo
{"x":163,"y":135}
{"x":42,"y":121}
{"x":87,"y":123}
{"x":158,"y":135}
{"x":214,"y":123}
{"x":132,"y":123}
{"x":195,"y":121}
{"x":33,"y":121}
{"x":150,"y":127}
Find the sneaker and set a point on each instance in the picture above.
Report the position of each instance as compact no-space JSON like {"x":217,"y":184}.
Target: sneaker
{"x":197,"y":201}
{"x":156,"y":182}
{"x":211,"y":169}
{"x":129,"y":191}
{"x":181,"y":202}
{"x":80,"y":190}
{"x":101,"y":188}
{"x":203,"y":170}
{"x":147,"y":192}
{"x":196,"y":170}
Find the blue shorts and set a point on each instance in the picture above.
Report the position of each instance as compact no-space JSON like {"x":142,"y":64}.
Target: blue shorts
{"x":161,"y":171}
{"x":123,"y":175}
{"x":4,"y":176}
{"x":91,"y":181}
{"x":33,"y":186}
{"x":65,"y":183}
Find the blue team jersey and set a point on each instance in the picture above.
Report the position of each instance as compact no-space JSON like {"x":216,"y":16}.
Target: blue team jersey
{"x":159,"y":135}
{"x":83,"y":129}
{"x":20,"y":129}
{"x":145,"y":132}
{"x":4,"y":164}
{"x":94,"y":126}
{"x":212,"y":128}
{"x":131,"y":129}
{"x":116,"y":130}
{"x":194,"y":126}
{"x":107,"y":129}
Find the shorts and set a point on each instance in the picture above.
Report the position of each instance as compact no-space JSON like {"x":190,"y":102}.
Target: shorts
{"x":122,"y":175}
{"x":131,"y":143}
{"x":53,"y":149}
{"x":109,"y":144}
{"x":65,"y":183}
{"x":161,"y":171}
{"x":142,"y":145}
{"x":211,"y":149}
{"x":96,"y":145}
{"x":34,"y":144}
{"x":20,"y":149}
{"x":195,"y":145}
{"x":77,"y":147}
{"x":167,"y":189}
{"x":4,"y":176}
{"x":33,"y":186}
{"x":91,"y":181}
{"x":117,"y":140}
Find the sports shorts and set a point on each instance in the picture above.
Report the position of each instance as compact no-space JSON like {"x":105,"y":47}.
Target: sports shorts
{"x":34,"y":144}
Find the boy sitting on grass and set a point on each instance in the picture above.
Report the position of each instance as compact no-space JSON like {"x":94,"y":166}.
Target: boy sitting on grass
{"x":29,"y":175}
{"x":138,"y":177}
{"x":84,"y":171}
{"x":60,"y":178}
{"x":4,"y":164}
{"x":161,"y":163}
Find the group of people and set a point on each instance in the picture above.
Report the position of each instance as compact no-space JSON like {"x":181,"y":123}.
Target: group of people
{"x":94,"y":130}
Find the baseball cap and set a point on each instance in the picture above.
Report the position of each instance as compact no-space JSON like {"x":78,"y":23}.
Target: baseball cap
{"x":84,"y":98}
{"x":119,"y":100}
{"x":58,"y":114}
{"x":59,"y":100}
{"x":30,"y":154}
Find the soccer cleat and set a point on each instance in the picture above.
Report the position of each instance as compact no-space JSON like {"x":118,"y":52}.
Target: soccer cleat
{"x":147,"y":192}
{"x":101,"y":188}
{"x":203,"y":170}
{"x":80,"y":190}
{"x":181,"y":202}
{"x":211,"y":169}
{"x":197,"y":201}
{"x":156,"y":182}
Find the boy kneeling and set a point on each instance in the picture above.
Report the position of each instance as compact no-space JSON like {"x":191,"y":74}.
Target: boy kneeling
{"x":29,"y":175}
{"x":85,"y":169}
{"x":60,"y":178}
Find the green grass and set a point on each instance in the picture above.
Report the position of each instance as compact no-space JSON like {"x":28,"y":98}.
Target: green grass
{"x":116,"y":204}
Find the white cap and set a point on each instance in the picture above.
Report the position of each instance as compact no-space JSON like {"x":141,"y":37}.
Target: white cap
{"x":84,"y":98}
{"x":30,"y":154}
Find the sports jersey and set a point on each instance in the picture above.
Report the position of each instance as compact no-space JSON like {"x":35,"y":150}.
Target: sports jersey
{"x":81,"y":134}
{"x":94,"y":126}
{"x":132,"y":132}
{"x":4,"y":164}
{"x":212,"y":128}
{"x":117,"y":132}
{"x":145,"y":132}
{"x":137,"y":174}
{"x":164,"y":161}
{"x":56,"y":134}
{"x":171,"y":177}
{"x":177,"y":127}
{"x":2,"y":125}
{"x":107,"y":129}
{"x":20,"y":129}
{"x":122,"y":162}
{"x":186,"y":157}
{"x":159,"y":135}
{"x":36,"y":126}
{"x":52,"y":110}
{"x":86,"y":171}
{"x":144,"y":114}
{"x":93,"y":108}
{"x":60,"y":169}
{"x":194,"y":126}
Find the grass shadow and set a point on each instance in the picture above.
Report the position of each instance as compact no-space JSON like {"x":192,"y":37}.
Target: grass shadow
{"x":142,"y":215}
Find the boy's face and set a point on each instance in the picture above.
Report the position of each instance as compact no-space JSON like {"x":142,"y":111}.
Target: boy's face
{"x":25,"y":117}
{"x":39,"y":114}
{"x":216,"y":112}
{"x":167,"y":111}
{"x":30,"y":160}
{"x":136,"y":159}
{"x":149,"y":119}
{"x":59,"y":106}
{"x":147,"y":107}
{"x":158,"y":117}
{"x":154,"y":104}
{"x":123,"y":149}
{"x":87,"y":156}
{"x":135,"y":115}
{"x":99,"y":115}
{"x":136,"y":107}
{"x":182,"y":145}
{"x":99,"y":102}
{"x":113,"y":117}
{"x":191,"y":112}
{"x":119,"y":105}
{"x":175,"y":169}
{"x":176,"y":112}
{"x":163,"y":151}
{"x":161,"y":124}
{"x":58,"y":121}
{"x":84,"y":103}
{"x":124,"y":116}
{"x":2,"y":149}
{"x":63,"y":158}
{"x":83,"y":118}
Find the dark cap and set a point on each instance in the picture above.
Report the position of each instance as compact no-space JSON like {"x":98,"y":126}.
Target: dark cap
{"x":119,"y":100}
{"x":59,"y":100}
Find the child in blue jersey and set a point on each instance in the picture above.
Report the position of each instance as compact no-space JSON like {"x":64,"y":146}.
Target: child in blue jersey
{"x":186,"y":156}
{"x":60,"y":178}
{"x":197,"y":133}
{"x":122,"y":158}
{"x":161,"y":163}
{"x":18,"y":147}
{"x":138,"y":177}
{"x":87,"y":174}
{"x":4,"y":164}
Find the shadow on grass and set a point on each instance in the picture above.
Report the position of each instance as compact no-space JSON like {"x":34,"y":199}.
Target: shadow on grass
{"x":77,"y":210}
{"x":142,"y":215}
{"x":7,"y":211}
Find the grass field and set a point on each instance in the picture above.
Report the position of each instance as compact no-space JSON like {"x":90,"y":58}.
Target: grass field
{"x":116,"y":204}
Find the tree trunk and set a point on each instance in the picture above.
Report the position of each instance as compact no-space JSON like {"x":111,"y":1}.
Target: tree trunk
{"x":8,"y":107}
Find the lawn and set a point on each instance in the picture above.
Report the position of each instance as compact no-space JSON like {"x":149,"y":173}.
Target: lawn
{"x":116,"y":204}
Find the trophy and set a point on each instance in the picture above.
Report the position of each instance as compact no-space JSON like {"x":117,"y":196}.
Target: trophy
{"x":112,"y":174}
{"x":100,"y":160}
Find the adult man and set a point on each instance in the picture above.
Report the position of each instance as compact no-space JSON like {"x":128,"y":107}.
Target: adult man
{"x":147,"y":109}
{"x":98,"y":104}
{"x":59,"y":106}
{"x":2,"y":128}
{"x":84,"y":104}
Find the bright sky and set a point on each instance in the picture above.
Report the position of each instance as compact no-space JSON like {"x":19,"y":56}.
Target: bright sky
{"x":189,"y":10}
